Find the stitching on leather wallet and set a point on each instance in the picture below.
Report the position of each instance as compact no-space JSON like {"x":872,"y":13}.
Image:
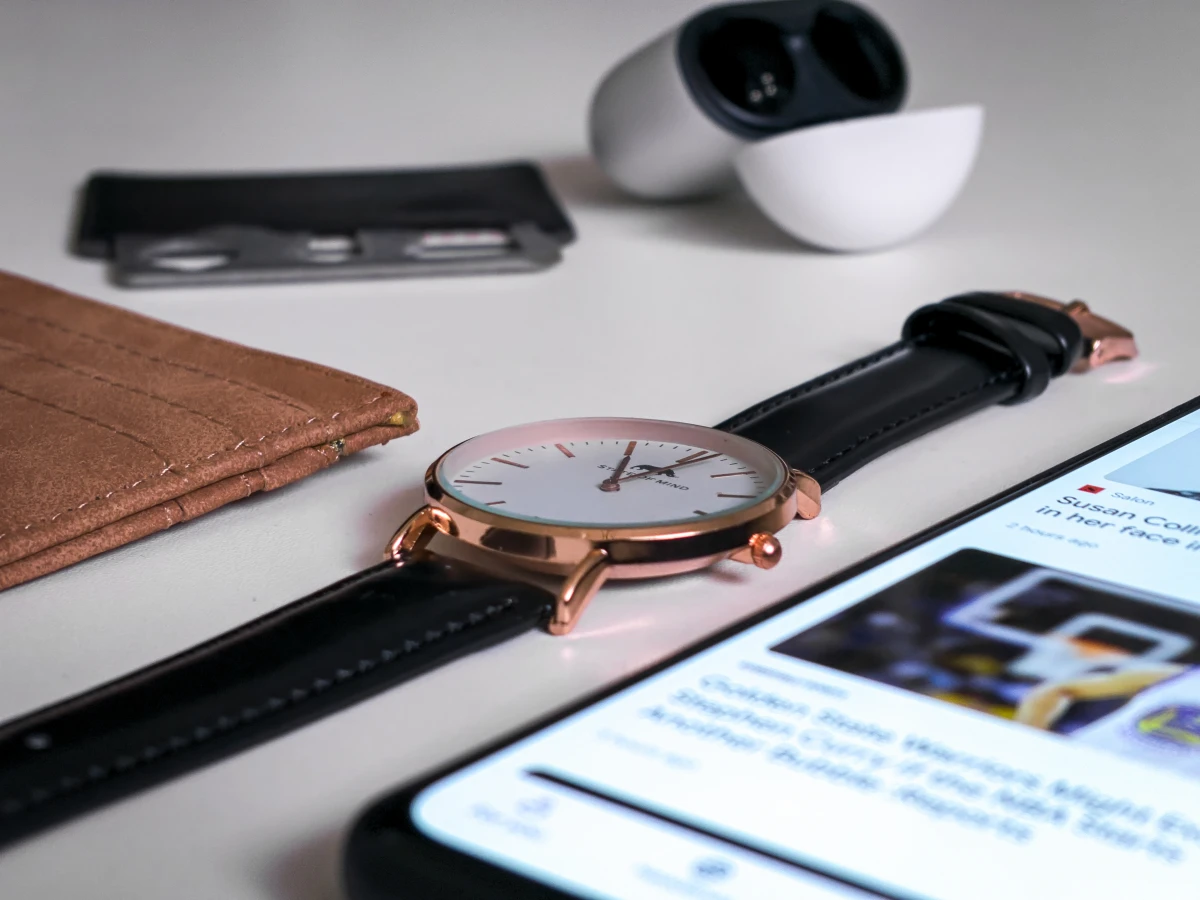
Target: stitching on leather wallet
{"x":23,"y":351}
{"x":171,"y":469}
{"x":95,"y":773}
{"x":808,"y":387}
{"x":302,"y":363}
{"x":169,"y":362}
{"x":904,"y":420}
{"x":182,"y":514}
{"x":162,"y":457}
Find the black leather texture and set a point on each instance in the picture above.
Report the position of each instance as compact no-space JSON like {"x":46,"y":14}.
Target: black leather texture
{"x":308,"y":659}
{"x":955,"y":357}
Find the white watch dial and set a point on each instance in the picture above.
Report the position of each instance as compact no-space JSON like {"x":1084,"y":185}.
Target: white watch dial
{"x":611,"y":472}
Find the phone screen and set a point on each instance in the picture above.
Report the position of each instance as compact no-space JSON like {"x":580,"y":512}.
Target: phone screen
{"x":1011,"y":708}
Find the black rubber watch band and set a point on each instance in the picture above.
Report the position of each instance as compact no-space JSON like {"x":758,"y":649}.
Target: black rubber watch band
{"x":306,"y":660}
{"x":955,"y":357}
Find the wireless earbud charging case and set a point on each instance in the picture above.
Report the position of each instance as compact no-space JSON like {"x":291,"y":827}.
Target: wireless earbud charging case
{"x":666,"y":122}
{"x":866,"y":183}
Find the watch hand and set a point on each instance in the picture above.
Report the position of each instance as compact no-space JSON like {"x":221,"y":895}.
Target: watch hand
{"x":686,"y":461}
{"x":610,"y":483}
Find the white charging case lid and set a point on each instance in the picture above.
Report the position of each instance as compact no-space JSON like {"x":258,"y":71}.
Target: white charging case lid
{"x":867,"y":183}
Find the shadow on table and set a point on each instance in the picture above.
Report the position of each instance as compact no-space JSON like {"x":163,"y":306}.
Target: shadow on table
{"x":730,"y":220}
{"x":310,"y":871}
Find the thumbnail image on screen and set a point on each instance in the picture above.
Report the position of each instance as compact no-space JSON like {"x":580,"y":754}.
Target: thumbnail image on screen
{"x":1088,"y":660}
{"x":1173,"y":469}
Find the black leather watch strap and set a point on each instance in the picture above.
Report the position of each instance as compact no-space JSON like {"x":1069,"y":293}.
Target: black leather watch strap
{"x":954,"y":357}
{"x":333,"y":648}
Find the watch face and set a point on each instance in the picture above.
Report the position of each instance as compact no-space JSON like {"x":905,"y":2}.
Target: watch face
{"x":611,"y":473}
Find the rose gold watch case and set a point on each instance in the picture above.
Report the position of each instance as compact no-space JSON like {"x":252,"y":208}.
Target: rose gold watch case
{"x":586,"y":556}
{"x":632,"y":551}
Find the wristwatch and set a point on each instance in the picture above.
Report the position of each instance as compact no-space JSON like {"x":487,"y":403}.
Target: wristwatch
{"x":586,"y":499}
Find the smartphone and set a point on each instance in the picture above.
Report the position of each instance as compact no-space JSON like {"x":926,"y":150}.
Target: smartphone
{"x":1006,"y":705}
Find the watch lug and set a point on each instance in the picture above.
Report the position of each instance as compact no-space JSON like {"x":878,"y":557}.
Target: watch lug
{"x":415,"y":534}
{"x":808,"y":495}
{"x":577,"y":591}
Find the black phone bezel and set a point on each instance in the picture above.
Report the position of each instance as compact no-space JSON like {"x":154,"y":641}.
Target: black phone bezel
{"x":387,"y":857}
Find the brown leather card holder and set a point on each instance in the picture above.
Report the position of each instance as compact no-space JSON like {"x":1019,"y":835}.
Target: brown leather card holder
{"x":114,"y":425}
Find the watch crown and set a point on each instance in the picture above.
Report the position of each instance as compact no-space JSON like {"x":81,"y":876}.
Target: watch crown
{"x":765,"y":550}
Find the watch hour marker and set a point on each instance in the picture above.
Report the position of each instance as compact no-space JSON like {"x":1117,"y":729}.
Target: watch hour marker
{"x":508,"y":462}
{"x":738,"y":496}
{"x":565,"y":451}
{"x":727,"y":474}
{"x":699,"y":512}
{"x":465,"y":481}
{"x":495,"y":503}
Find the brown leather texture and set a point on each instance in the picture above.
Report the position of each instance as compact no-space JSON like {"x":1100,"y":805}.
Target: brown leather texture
{"x":114,"y":426}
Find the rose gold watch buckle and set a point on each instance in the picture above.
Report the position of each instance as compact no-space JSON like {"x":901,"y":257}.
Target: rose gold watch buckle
{"x":1104,"y":340}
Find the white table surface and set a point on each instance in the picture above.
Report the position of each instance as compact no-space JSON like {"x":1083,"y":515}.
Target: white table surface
{"x":1086,"y":186}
